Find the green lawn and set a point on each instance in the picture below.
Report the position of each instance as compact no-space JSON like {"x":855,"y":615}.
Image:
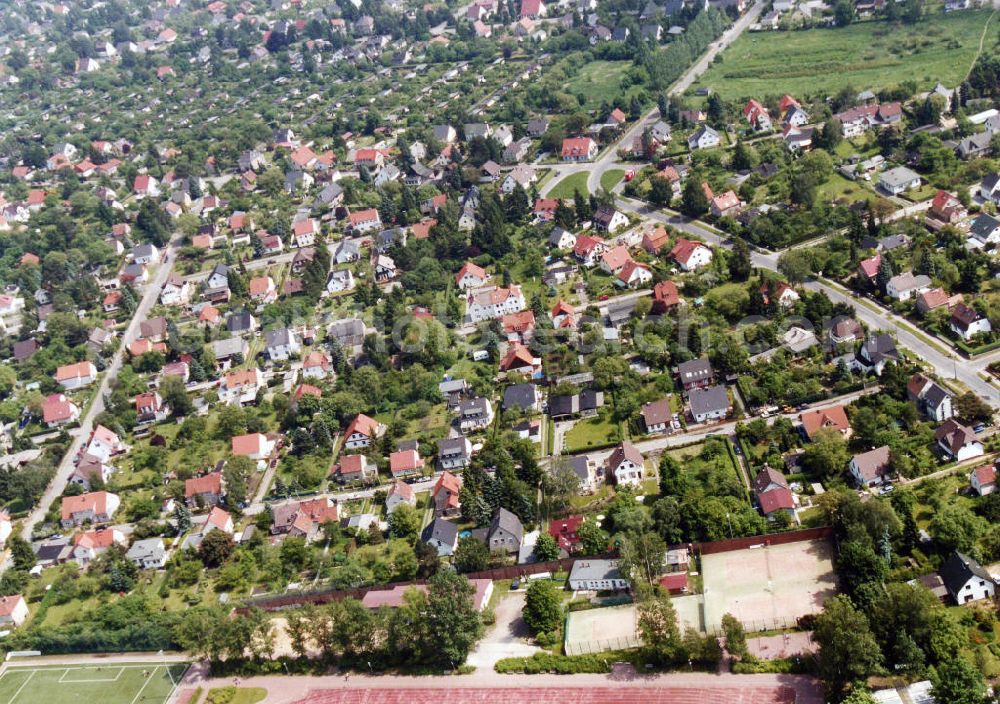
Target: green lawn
{"x":865,"y":55}
{"x":569,"y":185}
{"x":600,"y":81}
{"x":236,"y":695}
{"x":610,"y":178}
{"x":95,"y":684}
{"x":591,"y":432}
{"x":839,"y":188}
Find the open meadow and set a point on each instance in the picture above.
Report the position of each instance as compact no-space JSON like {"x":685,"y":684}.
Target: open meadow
{"x":864,"y":55}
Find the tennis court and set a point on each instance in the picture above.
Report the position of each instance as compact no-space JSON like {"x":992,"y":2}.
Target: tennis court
{"x":768,"y":587}
{"x":90,"y":684}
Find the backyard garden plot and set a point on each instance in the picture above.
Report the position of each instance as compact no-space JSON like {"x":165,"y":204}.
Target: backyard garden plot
{"x":864,"y":55}
{"x":93,"y":684}
{"x":768,"y":587}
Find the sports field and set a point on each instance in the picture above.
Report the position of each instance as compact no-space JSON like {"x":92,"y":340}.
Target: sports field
{"x":768,"y":587}
{"x":93,"y":684}
{"x":864,"y":55}
{"x":596,"y":630}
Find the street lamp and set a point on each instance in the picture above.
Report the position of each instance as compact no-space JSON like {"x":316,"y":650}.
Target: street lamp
{"x":728,"y":520}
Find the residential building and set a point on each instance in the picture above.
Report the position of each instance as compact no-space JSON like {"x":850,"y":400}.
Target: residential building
{"x":597,"y":575}
{"x":454,"y":453}
{"x":442,"y":535}
{"x":625,"y":465}
{"x":362,"y":431}
{"x":967,"y":322}
{"x":898,"y":180}
{"x":983,"y":479}
{"x":148,"y":554}
{"x":657,"y":416}
{"x":695,"y":374}
{"x":709,"y":404}
{"x":931,"y":398}
{"x":832,"y":419}
{"x":957,"y":442}
{"x":966,"y":580}
{"x":92,"y":507}
{"x":505,"y":532}
{"x":870,"y":468}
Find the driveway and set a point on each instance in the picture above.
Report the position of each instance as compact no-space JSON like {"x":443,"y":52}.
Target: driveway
{"x":507,"y":638}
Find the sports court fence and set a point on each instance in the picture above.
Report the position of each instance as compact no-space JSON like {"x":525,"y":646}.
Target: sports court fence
{"x":603,"y":645}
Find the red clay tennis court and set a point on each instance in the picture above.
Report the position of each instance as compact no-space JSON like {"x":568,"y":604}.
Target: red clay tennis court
{"x":559,"y":695}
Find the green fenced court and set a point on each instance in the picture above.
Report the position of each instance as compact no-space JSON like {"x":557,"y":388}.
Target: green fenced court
{"x":90,"y":684}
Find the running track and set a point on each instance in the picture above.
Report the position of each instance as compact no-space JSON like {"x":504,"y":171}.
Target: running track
{"x":558,"y":695}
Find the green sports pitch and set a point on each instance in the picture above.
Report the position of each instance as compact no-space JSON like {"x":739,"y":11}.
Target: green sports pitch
{"x":90,"y":684}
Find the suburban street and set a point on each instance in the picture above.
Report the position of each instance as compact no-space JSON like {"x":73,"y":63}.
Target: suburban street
{"x":945,"y":365}
{"x":82,"y":434}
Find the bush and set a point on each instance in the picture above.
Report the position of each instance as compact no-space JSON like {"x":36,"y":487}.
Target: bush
{"x":593,"y":663}
{"x":789,"y":666}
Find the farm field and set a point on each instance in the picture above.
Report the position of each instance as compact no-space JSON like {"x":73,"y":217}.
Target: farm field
{"x":865,"y":55}
{"x":94,"y":684}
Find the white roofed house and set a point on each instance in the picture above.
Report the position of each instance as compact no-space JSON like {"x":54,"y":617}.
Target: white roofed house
{"x":384,"y":267}
{"x":339,"y":281}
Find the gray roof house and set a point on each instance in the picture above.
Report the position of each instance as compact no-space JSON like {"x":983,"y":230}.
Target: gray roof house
{"x":708,"y":404}
{"x":454,"y":453}
{"x":524,"y":397}
{"x":442,"y":535}
{"x":898,"y":180}
{"x":505,"y":533}
{"x":974,"y":145}
{"x":148,"y":554}
{"x":965,"y":579}
{"x":596,"y":575}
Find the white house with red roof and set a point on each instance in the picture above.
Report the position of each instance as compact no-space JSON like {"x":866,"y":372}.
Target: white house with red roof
{"x":494,"y":303}
{"x":262,"y":289}
{"x":13,"y":610}
{"x":352,"y":468}
{"x":256,"y":446}
{"x":75,"y":376}
{"x":105,"y":444}
{"x":240,"y":387}
{"x":471,"y":276}
{"x":58,"y":410}
{"x":725,"y":204}
{"x":532,"y":9}
{"x":93,"y":507}
{"x":364,"y":220}
{"x":304,"y":232}
{"x":984,"y":479}
{"x":362,"y":431}
{"x":578,"y":149}
{"x":691,"y":254}
{"x":145,"y":185}
{"x":399,"y":493}
{"x":615,"y":259}
{"x":519,"y":359}
{"x":316,"y":365}
{"x":633,"y":275}
{"x":588,"y":249}
{"x":405,"y":463}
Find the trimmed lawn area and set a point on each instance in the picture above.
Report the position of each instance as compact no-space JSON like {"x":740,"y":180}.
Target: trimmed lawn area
{"x":610,"y":178}
{"x":839,"y":188}
{"x":569,"y":185}
{"x":865,"y":55}
{"x":236,"y":695}
{"x":591,"y":432}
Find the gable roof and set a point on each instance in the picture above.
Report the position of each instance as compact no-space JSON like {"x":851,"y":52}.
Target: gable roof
{"x":834,"y":418}
{"x":958,"y":569}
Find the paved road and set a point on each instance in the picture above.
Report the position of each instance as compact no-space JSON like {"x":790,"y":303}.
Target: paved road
{"x":65,"y":469}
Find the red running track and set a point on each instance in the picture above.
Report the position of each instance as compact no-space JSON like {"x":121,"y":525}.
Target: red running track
{"x":557,"y":695}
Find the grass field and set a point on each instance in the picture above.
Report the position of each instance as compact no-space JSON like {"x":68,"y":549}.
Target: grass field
{"x":569,"y":185}
{"x":865,"y":55}
{"x":599,"y":82}
{"x":95,"y":684}
{"x":591,"y":432}
{"x":611,"y":177}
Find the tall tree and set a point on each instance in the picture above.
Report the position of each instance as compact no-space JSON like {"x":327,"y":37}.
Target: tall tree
{"x":848,"y":651}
